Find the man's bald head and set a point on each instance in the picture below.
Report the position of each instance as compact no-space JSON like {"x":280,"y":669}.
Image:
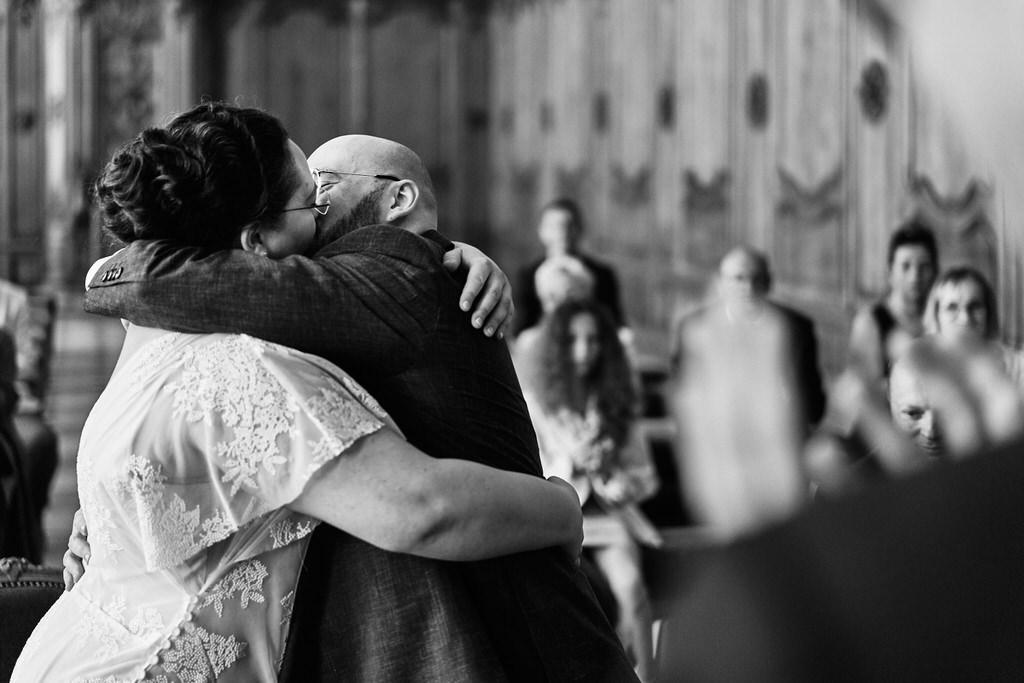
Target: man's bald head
{"x":366,"y":179}
{"x":911,"y":405}
{"x":743,"y":276}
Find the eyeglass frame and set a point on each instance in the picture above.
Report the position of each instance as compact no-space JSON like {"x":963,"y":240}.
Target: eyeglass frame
{"x":326,"y":206}
{"x":383,"y":176}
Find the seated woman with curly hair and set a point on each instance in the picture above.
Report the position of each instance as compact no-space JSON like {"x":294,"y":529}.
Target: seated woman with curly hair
{"x":580,"y":389}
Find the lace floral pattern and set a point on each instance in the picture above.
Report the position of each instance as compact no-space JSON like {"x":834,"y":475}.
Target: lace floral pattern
{"x":151,"y":359}
{"x":290,"y":530}
{"x":344,"y":422}
{"x":187,"y":465}
{"x":245,"y":581}
{"x":221,"y":378}
{"x":199,"y":656}
{"x":104,"y":629}
{"x":98,"y":517}
{"x":171,"y":529}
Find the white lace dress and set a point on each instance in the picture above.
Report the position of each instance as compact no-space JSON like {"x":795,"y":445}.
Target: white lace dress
{"x":185,"y":465}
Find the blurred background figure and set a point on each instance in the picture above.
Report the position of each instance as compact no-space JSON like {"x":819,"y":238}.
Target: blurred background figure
{"x":560,"y":230}
{"x":743,"y":285}
{"x":963,"y":303}
{"x":556,"y":280}
{"x":912,"y":410}
{"x":39,"y":449}
{"x":881,"y":330}
{"x":579,"y":387}
{"x":961,"y":381}
{"x":747,"y":392}
{"x":20,"y":529}
{"x":948,"y":398}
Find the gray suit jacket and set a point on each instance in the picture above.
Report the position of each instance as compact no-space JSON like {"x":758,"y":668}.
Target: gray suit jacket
{"x":379,"y":304}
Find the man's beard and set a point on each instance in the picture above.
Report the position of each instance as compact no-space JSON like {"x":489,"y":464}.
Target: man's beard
{"x":365,"y":212}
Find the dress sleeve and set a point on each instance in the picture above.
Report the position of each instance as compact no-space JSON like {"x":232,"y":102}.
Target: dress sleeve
{"x":250,"y":423}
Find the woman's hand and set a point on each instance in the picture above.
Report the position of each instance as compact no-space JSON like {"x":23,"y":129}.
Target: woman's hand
{"x":594,"y":457}
{"x":486,"y":285}
{"x":78,"y":553}
{"x":574,"y":547}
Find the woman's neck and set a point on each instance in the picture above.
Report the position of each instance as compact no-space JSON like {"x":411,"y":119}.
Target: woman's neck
{"x":907,"y":312}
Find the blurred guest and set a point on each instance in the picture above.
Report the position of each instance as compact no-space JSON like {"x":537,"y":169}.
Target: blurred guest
{"x":557,"y":280}
{"x":20,"y":530}
{"x":912,"y":410}
{"x":40,"y":447}
{"x":747,"y":390}
{"x":881,"y":330}
{"x":579,"y":388}
{"x":560,"y":230}
{"x":16,"y":319}
{"x":962,"y":319}
{"x":962,"y":302}
{"x":948,"y":397}
{"x":743,"y":285}
{"x":898,"y":575}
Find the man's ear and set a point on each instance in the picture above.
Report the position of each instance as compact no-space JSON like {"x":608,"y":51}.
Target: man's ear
{"x":403,"y":201}
{"x":252,"y":240}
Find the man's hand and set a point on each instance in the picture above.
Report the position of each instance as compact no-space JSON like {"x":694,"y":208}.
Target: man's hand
{"x":574,"y":548}
{"x":78,"y":553}
{"x":486,"y":285}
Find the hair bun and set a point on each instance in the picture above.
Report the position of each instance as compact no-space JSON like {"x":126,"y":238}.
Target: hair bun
{"x":200,"y":179}
{"x":149,"y":187}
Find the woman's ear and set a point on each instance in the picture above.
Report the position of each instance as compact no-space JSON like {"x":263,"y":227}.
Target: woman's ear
{"x":403,"y":200}
{"x":252,"y":240}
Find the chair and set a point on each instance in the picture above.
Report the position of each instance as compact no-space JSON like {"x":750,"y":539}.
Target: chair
{"x":26,"y":592}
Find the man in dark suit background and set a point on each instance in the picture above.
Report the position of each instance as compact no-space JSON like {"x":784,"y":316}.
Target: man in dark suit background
{"x":560,"y":230}
{"x":744,"y":283}
{"x":746,"y":393}
{"x":378,"y":302}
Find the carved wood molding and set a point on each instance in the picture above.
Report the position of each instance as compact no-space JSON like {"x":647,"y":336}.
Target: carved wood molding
{"x":757,"y":101}
{"x":960,"y":219}
{"x":525,"y":181}
{"x":127,"y":31}
{"x":874,"y":91}
{"x":333,"y":12}
{"x":815,"y":204}
{"x":974,"y":197}
{"x":372,"y":11}
{"x":631,"y":189}
{"x":24,"y":11}
{"x":709,"y":197}
{"x":707,"y":206}
{"x":128,"y":20}
{"x":569,"y":182}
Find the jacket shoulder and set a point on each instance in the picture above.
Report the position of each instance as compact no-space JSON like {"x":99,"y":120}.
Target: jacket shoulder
{"x":384,"y":239}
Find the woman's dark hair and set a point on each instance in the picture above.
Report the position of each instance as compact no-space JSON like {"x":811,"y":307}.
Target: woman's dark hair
{"x":914,"y":233}
{"x":198,"y":180}
{"x":610,"y":381}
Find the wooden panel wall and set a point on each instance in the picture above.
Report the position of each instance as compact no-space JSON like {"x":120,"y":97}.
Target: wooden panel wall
{"x":795,"y":126}
{"x":683,"y":127}
{"x":21,"y":143}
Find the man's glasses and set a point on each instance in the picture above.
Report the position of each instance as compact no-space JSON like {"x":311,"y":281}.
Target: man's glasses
{"x":321,"y":208}
{"x":383,"y":176}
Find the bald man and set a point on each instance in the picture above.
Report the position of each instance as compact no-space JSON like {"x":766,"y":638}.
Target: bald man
{"x":912,"y":410}
{"x":376,"y":300}
{"x":743,"y":284}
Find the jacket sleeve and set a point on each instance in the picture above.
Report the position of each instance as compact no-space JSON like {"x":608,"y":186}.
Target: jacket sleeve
{"x":370,"y":298}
